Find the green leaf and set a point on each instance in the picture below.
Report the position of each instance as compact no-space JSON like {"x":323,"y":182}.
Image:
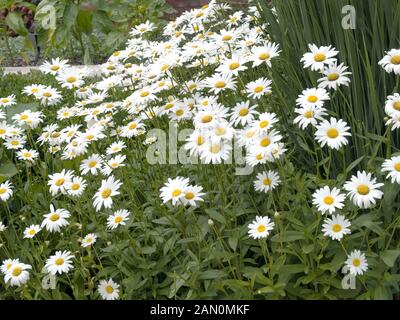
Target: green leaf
{"x":390,"y":256}
{"x":84,"y":21}
{"x":288,"y":236}
{"x":70,"y":15}
{"x":7,"y":171}
{"x":15,"y":22}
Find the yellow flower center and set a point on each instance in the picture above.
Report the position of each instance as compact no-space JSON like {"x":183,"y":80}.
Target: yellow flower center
{"x":396,"y":105}
{"x":215,"y":148}
{"x":109,"y":289}
{"x":144,"y":94}
{"x":106,"y":193}
{"x":89,"y":136}
{"x":16,"y":271}
{"x":319,"y":57}
{"x":189,"y":195}
{"x":200,"y":141}
{"x":179,"y":112}
{"x":265,"y":142}
{"x":75,"y":186}
{"x":32,"y":232}
{"x":258,"y":89}
{"x":206,"y":119}
{"x":3,"y":190}
{"x":395,"y":60}
{"x":47,"y":94}
{"x":333,"y":76}
{"x":5,"y":100}
{"x":308,"y":114}
{"x":2,"y":131}
{"x":356,"y":262}
{"x":312,"y":99}
{"x":397,"y":166}
{"x":59,"y":261}
{"x":176,"y":192}
{"x":23,"y":117}
{"x":264,"y":56}
{"x":59,"y":182}
{"x":71,"y":79}
{"x":243,"y":112}
{"x":132,"y":126}
{"x":264,"y":124}
{"x":220,"y":131}
{"x":54,"y":68}
{"x":220,"y":84}
{"x":332,"y":133}
{"x":259,"y":156}
{"x":267,"y":182}
{"x":54,"y":217}
{"x":336,"y":228}
{"x":15,"y":143}
{"x":329,"y":200}
{"x":27,"y":154}
{"x":118,"y":219}
{"x":234,"y":66}
{"x":226,"y":37}
{"x":363,"y":189}
{"x":261,"y":228}
{"x":34,"y":90}
{"x":92,"y":164}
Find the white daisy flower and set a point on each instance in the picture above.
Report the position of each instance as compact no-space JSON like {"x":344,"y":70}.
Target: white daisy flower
{"x":117,"y":218}
{"x":356,"y":262}
{"x":88,"y":240}
{"x":31,"y":231}
{"x":60,"y":262}
{"x":319,"y":57}
{"x":332,"y":133}
{"x":334,"y":76}
{"x":363,"y":189}
{"x":261,"y":227}
{"x":17,"y":275}
{"x":391,"y":61}
{"x":174,"y":190}
{"x":392,"y":166}
{"x":314,"y":97}
{"x":55,"y":220}
{"x":108,"y":289}
{"x":6,"y":191}
{"x":336,"y":227}
{"x":327,"y":200}
{"x":266,"y":181}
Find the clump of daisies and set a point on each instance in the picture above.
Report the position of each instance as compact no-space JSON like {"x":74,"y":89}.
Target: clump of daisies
{"x":180,"y":192}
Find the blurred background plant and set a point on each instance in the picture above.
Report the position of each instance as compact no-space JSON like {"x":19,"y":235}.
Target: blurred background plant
{"x":83,"y":31}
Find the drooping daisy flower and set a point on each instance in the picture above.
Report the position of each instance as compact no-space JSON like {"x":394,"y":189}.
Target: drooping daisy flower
{"x":392,"y":166}
{"x":309,"y":115}
{"x":108,"y":289}
{"x":261,"y":227}
{"x":17,"y":275}
{"x":356,"y":262}
{"x":391,"y":61}
{"x":258,"y":88}
{"x":336,"y":227}
{"x":363,"y":189}
{"x":117,"y":218}
{"x":314,"y":97}
{"x":327,"y":200}
{"x":31,"y":231}
{"x":333,"y":133}
{"x":88,"y":240}
{"x":60,"y":262}
{"x":319,"y":57}
{"x":55,"y":220}
{"x":6,"y":191}
{"x":108,"y":189}
{"x":174,"y":190}
{"x":266,"y":181}
{"x":334,"y":76}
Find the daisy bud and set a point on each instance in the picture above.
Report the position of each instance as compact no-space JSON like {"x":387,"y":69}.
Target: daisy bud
{"x":210,"y":222}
